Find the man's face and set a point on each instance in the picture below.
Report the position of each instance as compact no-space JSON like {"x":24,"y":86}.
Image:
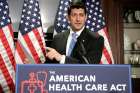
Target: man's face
{"x":77,"y":19}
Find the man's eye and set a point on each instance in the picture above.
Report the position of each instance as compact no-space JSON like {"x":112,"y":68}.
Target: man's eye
{"x":73,"y":14}
{"x":81,"y":15}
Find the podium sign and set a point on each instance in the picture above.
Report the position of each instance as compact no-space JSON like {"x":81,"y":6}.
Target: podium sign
{"x":56,"y":78}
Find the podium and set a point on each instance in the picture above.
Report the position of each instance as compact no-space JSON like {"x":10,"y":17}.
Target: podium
{"x":68,"y":78}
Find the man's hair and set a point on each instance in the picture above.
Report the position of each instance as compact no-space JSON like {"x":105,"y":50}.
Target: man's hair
{"x":77,"y":6}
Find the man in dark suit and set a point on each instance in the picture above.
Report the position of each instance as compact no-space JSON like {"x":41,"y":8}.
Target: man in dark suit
{"x":88,"y":45}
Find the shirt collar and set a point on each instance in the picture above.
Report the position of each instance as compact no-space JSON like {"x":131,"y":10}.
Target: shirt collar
{"x":77,"y":32}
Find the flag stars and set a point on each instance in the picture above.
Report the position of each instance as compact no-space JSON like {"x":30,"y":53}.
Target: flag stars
{"x":60,"y":7}
{"x":38,"y":23}
{"x":94,"y":18}
{"x":96,"y":8}
{"x":92,"y":29}
{"x":60,"y":13}
{"x":93,"y":1}
{"x":1,"y":4}
{"x":68,"y":27}
{"x":64,"y":20}
{"x":32,"y":25}
{"x":22,"y":16}
{"x":87,"y":26}
{"x":61,"y":2}
{"x":23,"y":10}
{"x":100,"y":15}
{"x":88,"y":21}
{"x":25,"y":5}
{"x":65,"y":14}
{"x":34,"y":14}
{"x":92,"y":6}
{"x":33,"y":20}
{"x":66,"y":3}
{"x":93,"y":23}
{"x":21,"y":21}
{"x":58,"y":24}
{"x":95,"y":13}
{"x":66,"y":9}
{"x":64,"y":25}
{"x":26,"y":23}
{"x":29,"y":12}
{"x":30,"y":7}
{"x":28,"y":18}
{"x":97,"y":3}
{"x":2,"y":23}
{"x":35,"y":9}
{"x":26,"y":29}
{"x":8,"y":21}
{"x":99,"y":21}
{"x":6,"y":6}
{"x":31,"y":1}
{"x":36,"y":4}
{"x":89,"y":16}
{"x":101,"y":10}
{"x":91,"y":11}
{"x":98,"y":26}
{"x":87,"y":3}
{"x":5,"y":12}
{"x":3,"y":17}
{"x":39,"y":17}
{"x":59,"y":18}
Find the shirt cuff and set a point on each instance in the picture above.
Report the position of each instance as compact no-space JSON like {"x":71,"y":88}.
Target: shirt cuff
{"x":62,"y":61}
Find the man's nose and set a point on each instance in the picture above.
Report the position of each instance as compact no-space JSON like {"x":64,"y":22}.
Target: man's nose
{"x":77,"y":18}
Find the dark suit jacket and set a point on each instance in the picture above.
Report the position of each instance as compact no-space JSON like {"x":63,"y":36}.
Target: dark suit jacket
{"x":88,"y":47}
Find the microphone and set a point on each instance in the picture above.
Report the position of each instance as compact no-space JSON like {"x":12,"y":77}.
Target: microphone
{"x":83,"y":52}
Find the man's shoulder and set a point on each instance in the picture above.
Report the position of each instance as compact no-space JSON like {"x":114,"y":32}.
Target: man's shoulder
{"x":94,"y":35}
{"x":61,"y":34}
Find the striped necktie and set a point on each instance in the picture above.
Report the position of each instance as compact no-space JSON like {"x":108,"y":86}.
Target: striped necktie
{"x":72,"y":43}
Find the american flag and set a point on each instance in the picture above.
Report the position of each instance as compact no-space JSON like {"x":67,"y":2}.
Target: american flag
{"x":30,"y":43}
{"x":7,"y":61}
{"x":95,"y":22}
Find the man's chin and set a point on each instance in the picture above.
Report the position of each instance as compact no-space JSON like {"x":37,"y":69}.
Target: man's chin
{"x":78,"y":28}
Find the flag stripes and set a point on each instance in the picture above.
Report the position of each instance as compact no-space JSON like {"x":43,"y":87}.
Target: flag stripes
{"x":41,"y":42}
{"x":19,"y":54}
{"x":31,"y":46}
{"x":30,"y":41}
{"x":7,"y":44}
{"x":107,"y":57}
{"x":7,"y":61}
{"x":7,"y":80}
{"x":35,"y":46}
{"x":3,"y":83}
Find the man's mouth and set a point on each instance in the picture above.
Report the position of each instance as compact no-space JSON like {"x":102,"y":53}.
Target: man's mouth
{"x":77,"y":23}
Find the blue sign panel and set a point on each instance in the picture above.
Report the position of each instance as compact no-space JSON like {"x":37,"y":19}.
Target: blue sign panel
{"x":56,"y":78}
